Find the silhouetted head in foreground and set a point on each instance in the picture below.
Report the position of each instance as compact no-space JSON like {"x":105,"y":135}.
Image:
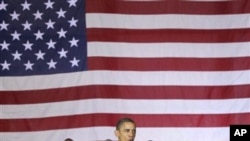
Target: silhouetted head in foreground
{"x":68,"y":139}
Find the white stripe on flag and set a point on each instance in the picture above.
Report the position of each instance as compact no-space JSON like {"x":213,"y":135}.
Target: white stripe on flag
{"x":175,"y":21}
{"x":158,"y":50}
{"x":143,"y":134}
{"x":156,"y":78}
{"x":129,"y":107}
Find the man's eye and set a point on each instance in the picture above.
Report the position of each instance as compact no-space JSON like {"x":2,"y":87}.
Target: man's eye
{"x":128,"y":130}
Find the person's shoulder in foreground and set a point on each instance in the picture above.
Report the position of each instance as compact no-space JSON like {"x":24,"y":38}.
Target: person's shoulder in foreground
{"x":125,"y":129}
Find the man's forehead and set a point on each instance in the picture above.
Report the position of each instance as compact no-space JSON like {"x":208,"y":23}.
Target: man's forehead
{"x":128,"y":125}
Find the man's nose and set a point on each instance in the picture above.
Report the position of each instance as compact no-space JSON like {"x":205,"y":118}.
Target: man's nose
{"x":131,"y":133}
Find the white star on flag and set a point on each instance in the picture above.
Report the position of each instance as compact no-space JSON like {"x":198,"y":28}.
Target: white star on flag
{"x":26,"y":5}
{"x":40,"y":55}
{"x":3,"y":5}
{"x":63,"y":53}
{"x":15,"y":36}
{"x":74,"y":62}
{"x":4,"y":25}
{"x":39,"y":35}
{"x":17,"y":55}
{"x":51,"y":44}
{"x":28,"y":65}
{"x":5,"y":45}
{"x":49,"y":4}
{"x":38,"y":15}
{"x":61,"y":13}
{"x":15,"y":16}
{"x":62,"y":33}
{"x":27,"y":26}
{"x":5,"y":65}
{"x":73,"y":42}
{"x":52,"y":64}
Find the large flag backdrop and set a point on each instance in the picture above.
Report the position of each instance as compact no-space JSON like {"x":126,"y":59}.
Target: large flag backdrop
{"x":72,"y":68}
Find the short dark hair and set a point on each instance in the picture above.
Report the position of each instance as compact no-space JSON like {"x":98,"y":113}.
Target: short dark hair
{"x":122,"y":120}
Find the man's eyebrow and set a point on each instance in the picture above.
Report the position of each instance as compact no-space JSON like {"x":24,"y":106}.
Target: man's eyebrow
{"x":129,"y":129}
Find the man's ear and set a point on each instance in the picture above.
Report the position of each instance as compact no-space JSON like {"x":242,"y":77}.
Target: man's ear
{"x":117,"y":133}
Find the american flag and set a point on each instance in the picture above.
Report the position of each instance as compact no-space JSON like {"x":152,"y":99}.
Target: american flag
{"x":72,"y":68}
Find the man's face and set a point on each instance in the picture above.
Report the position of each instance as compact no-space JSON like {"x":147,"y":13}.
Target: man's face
{"x":126,"y":132}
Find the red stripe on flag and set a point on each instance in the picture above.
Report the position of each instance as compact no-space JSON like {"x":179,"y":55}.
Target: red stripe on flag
{"x":124,"y":92}
{"x":177,"y":64}
{"x":168,"y":35}
{"x":148,"y":120}
{"x":168,"y":6}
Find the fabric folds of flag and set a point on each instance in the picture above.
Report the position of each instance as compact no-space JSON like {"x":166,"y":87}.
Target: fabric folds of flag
{"x":71,"y":69}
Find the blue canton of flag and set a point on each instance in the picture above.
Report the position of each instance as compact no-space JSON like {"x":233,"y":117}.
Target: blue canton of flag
{"x":42,"y":37}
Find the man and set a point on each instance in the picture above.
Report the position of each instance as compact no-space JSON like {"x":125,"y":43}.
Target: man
{"x":125,"y":129}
